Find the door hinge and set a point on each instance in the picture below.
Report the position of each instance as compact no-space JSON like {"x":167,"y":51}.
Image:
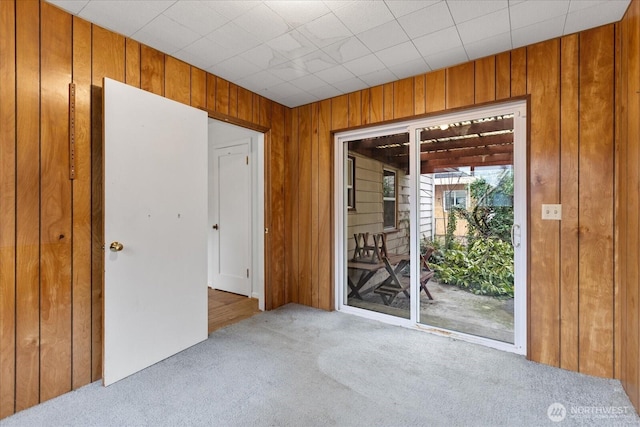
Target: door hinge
{"x":247,"y":159}
{"x":247,"y":273}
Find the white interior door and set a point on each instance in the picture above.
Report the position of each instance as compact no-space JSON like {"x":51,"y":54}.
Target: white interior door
{"x":232,"y":218}
{"x":155,"y":205}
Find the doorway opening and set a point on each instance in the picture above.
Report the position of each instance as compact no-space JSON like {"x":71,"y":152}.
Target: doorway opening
{"x":431,"y":224}
{"x":236,"y":219}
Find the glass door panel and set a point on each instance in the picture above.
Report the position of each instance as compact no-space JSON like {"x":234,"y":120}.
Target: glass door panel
{"x":377,"y":244}
{"x":466,"y":206}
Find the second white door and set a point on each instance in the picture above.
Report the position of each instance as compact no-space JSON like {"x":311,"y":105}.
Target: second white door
{"x":231,"y":218}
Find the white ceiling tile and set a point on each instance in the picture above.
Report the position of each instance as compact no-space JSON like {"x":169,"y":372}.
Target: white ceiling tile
{"x":301,"y":98}
{"x":484,"y":27}
{"x":531,"y":12}
{"x":576,"y":5}
{"x":384,"y":36}
{"x":297,"y":12}
{"x":166,"y":35}
{"x":316,"y":61}
{"x":196,"y":15}
{"x":234,"y":38}
{"x":207,"y":52}
{"x":308,"y":82}
{"x":347,"y":49}
{"x":447,"y":58}
{"x":124,"y":17}
{"x":335,"y":74}
{"x":404,"y":7}
{"x":292,"y":45}
{"x":283,"y":90}
{"x":288,"y":71}
{"x":259,"y":81}
{"x":463,"y":11}
{"x":537,"y":32}
{"x":338,"y":4}
{"x":234,"y":68}
{"x":489,"y":46}
{"x":364,"y":15}
{"x":366,"y":64}
{"x":232,"y":9}
{"x":71,"y":6}
{"x":264,"y":57}
{"x":326,"y":30}
{"x":378,"y":77}
{"x":439,"y":41}
{"x":350,"y":85}
{"x":399,"y":54}
{"x":427,"y":20}
{"x":324,"y":92}
{"x":599,"y":14}
{"x":411,"y":68}
{"x":262,"y":22}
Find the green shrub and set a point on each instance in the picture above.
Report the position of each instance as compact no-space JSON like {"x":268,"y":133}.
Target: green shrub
{"x":486,"y":268}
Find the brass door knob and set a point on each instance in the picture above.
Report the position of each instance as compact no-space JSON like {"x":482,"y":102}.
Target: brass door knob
{"x":116,"y":246}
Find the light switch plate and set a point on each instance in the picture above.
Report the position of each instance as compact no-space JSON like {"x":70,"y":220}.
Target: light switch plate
{"x":552,"y":212}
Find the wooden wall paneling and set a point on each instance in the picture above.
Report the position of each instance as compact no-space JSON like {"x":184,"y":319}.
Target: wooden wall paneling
{"x":632,"y":350}
{"x":198,"y":88}
{"x":569,"y":149}
{"x":292,"y":205}
{"x":7,"y":207}
{"x":55,"y":204}
{"x":256,"y":108}
{"x":245,"y":104}
{"x":366,"y":106}
{"x":503,"y":75}
{"x":152,"y":70}
{"x":325,"y":192}
{"x":233,"y":100}
{"x":277,"y":204}
{"x":315,"y":197}
{"x":403,"y":98}
{"x":108,"y":57}
{"x":544,"y":243}
{"x":28,"y":204}
{"x":419,"y":94}
{"x":618,"y":290}
{"x":519,"y":72}
{"x":265,"y":112}
{"x":304,"y":207}
{"x":268,"y":198}
{"x":222,"y":96}
{"x":387,"y":101}
{"x":132,"y":63}
{"x":355,"y":109}
{"x":460,"y":85}
{"x":81,"y":190}
{"x":177,"y":80}
{"x":211,"y":92}
{"x":436,"y":91}
{"x":596,"y":201}
{"x":340,"y":112}
{"x":376,"y":109}
{"x":485,"y":79}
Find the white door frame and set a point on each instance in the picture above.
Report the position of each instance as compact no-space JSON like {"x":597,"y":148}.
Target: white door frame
{"x":519,"y":108}
{"x":221,"y":134}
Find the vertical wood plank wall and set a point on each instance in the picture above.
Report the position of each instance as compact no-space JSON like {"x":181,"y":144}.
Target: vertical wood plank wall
{"x":628,"y":186}
{"x":51,"y":226}
{"x":570,"y":86}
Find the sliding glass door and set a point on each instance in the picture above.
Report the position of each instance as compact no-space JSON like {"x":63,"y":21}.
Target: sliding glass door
{"x":432,"y":224}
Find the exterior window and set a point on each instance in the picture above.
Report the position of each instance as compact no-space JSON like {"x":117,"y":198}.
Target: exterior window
{"x":351,"y":182}
{"x":455,"y":198}
{"x":389,"y":195}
